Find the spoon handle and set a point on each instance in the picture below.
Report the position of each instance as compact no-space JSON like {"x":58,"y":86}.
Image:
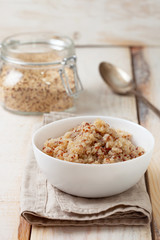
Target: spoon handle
{"x":147,"y":102}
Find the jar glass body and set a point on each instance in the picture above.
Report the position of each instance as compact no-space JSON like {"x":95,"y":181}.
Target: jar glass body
{"x":37,"y":70}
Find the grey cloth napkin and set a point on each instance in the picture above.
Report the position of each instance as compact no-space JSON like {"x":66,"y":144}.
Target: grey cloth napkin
{"x":44,"y":205}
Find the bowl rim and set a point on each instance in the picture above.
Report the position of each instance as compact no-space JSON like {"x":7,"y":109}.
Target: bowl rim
{"x":93,"y":164}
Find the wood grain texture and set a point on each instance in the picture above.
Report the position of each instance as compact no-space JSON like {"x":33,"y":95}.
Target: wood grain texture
{"x":15,"y":139}
{"x":24,"y":230}
{"x":9,"y":219}
{"x":98,"y":99}
{"x":91,"y":233}
{"x":146,"y":65}
{"x":96,"y":22}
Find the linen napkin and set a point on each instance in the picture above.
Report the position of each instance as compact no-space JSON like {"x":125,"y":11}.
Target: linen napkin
{"x":44,"y":205}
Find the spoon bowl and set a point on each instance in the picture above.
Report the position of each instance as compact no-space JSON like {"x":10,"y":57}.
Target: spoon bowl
{"x":121,"y":83}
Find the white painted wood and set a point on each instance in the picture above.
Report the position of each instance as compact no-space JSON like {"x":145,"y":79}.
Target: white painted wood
{"x":15,"y":140}
{"x":148,"y":66}
{"x":110,"y":22}
{"x":97,"y":97}
{"x":91,"y":233}
{"x":9,"y":219}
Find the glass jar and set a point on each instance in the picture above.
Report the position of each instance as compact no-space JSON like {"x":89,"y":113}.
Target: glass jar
{"x":38,"y":73}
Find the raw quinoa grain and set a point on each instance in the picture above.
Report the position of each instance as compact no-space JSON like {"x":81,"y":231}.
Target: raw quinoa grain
{"x":34,"y":89}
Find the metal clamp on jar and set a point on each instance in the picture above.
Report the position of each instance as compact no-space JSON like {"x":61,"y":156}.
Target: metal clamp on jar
{"x":38,"y":73}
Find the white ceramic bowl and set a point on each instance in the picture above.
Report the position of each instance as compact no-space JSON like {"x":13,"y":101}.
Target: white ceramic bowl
{"x":92,"y":180}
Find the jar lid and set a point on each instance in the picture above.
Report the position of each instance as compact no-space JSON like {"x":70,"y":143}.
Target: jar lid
{"x":36,"y":48}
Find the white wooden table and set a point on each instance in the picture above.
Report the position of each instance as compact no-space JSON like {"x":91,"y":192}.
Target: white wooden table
{"x":16,"y":132}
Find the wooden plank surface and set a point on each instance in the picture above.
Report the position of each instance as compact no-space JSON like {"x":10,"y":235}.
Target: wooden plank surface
{"x":96,"y":22}
{"x":98,"y":99}
{"x":15,"y":139}
{"x":147,"y":71}
{"x":24,"y":230}
{"x":91,"y":233}
{"x":9,"y":217}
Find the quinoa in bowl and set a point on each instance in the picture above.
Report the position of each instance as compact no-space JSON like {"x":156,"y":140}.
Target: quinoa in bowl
{"x":96,"y":180}
{"x":93,"y":143}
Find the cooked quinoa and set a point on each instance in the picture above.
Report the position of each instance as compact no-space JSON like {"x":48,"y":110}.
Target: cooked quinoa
{"x":96,"y":143}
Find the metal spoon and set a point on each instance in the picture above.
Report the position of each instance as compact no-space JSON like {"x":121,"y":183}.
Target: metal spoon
{"x":121,"y":83}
